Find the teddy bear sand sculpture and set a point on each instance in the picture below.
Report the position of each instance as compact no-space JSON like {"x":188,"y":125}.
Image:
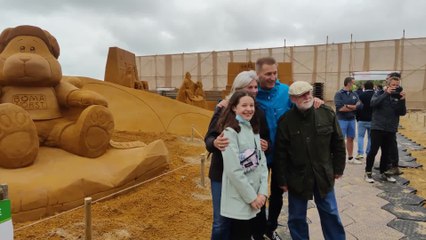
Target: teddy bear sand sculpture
{"x":34,"y":101}
{"x":55,"y":130}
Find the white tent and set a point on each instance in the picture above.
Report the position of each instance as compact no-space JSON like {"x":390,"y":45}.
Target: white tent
{"x":324,"y":63}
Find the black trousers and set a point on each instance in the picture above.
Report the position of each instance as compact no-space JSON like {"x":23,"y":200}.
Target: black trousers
{"x":385,"y":141}
{"x":258,"y":224}
{"x":394,"y":155}
{"x":275,"y":205}
{"x":240,"y":229}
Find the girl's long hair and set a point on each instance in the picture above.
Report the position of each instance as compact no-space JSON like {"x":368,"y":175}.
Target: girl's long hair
{"x":227,"y":118}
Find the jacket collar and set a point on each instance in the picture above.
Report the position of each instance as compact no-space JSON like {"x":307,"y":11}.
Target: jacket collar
{"x":272,"y":90}
{"x":345,"y":91}
{"x":306,"y":113}
{"x":242,"y":120}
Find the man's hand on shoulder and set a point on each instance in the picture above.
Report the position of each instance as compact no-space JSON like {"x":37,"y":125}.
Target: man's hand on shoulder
{"x":317,"y":102}
{"x":221,"y":142}
{"x":223,"y":103}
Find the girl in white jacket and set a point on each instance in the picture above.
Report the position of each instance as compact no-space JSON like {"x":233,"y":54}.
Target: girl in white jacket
{"x":244,"y":180}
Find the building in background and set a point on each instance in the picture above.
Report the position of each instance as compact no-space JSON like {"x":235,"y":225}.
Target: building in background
{"x":326,"y":64}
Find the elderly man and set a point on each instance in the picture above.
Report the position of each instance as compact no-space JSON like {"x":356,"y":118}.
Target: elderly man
{"x":309,"y":156}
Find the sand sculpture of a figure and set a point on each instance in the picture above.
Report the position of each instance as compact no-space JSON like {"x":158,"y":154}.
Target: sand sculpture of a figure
{"x":38,"y":108}
{"x":191,"y":93}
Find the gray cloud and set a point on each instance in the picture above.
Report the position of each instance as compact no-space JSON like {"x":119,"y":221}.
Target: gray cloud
{"x":86,"y":29}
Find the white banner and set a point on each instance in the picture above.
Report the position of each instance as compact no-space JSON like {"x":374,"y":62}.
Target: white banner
{"x":6,"y":226}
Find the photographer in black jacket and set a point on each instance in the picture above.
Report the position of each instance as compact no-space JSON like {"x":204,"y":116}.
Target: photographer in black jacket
{"x":387,"y":108}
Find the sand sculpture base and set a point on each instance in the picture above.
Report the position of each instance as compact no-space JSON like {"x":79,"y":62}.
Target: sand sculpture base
{"x":59,"y":181}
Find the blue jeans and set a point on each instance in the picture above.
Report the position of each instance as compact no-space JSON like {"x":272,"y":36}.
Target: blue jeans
{"x":221,"y":225}
{"x":332,"y":227}
{"x":362,"y":128}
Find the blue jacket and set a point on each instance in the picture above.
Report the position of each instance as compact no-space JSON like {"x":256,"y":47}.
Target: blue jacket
{"x":274,"y":102}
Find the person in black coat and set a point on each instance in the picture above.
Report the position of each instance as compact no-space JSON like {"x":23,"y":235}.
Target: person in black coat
{"x":387,"y":109}
{"x":364,"y":112}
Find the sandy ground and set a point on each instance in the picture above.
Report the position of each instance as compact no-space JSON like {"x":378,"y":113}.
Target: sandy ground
{"x":174,"y":205}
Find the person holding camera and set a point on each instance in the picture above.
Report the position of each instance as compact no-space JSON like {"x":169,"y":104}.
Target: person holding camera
{"x":393,"y":154}
{"x":387,"y":108}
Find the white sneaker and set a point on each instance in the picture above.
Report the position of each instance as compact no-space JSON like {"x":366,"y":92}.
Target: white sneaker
{"x":273,"y":236}
{"x":359,"y":156}
{"x":354,"y":161}
{"x":388,"y":178}
{"x":369,"y":177}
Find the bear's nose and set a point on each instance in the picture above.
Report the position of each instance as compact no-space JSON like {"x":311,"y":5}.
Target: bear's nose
{"x":25,"y":58}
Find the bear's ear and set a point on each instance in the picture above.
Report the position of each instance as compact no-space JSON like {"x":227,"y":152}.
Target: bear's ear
{"x":54,"y":46}
{"x":27,"y":30}
{"x":4,"y":38}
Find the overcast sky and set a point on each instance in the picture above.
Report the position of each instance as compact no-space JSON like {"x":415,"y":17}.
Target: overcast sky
{"x":85,"y":29}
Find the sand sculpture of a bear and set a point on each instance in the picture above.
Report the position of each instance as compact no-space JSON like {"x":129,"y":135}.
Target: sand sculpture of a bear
{"x":38,"y":108}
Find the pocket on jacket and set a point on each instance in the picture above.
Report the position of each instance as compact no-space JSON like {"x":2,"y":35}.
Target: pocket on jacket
{"x":296,"y":137}
{"x":324,"y":129}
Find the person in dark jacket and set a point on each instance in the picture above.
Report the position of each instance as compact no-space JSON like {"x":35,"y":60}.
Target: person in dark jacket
{"x":246,"y":80}
{"x":387,"y":108}
{"x":364,"y":112}
{"x":309,"y":156}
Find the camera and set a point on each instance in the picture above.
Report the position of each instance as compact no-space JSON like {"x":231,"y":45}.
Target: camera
{"x":396,"y":93}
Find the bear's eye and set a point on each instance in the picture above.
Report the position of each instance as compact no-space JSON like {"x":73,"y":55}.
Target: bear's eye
{"x":22,"y":48}
{"x":32,"y":49}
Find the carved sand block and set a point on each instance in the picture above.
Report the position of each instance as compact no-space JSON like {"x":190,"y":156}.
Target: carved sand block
{"x":121,"y":69}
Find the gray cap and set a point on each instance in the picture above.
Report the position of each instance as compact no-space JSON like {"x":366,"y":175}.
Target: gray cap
{"x":300,"y":87}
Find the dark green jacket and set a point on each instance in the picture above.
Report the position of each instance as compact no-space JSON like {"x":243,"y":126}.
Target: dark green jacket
{"x":309,"y":149}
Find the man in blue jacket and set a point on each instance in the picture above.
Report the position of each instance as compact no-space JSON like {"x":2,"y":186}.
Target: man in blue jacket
{"x":273,"y":98}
